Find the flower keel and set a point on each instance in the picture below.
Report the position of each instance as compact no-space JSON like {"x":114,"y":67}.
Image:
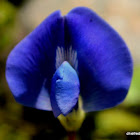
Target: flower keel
{"x":64,"y":90}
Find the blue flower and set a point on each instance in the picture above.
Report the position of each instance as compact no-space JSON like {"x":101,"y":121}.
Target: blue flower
{"x":70,"y":56}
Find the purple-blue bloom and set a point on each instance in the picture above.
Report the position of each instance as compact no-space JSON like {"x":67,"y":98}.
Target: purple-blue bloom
{"x":70,"y":56}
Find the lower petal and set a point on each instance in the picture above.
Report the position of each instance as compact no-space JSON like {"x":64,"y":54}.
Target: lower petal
{"x":64,"y":90}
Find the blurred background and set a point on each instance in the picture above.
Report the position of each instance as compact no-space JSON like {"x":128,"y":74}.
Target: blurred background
{"x":17,"y":19}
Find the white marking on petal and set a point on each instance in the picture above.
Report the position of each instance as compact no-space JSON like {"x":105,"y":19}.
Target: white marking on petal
{"x":69,"y":55}
{"x":43,"y":101}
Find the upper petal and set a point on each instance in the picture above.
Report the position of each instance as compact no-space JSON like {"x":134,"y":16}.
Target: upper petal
{"x":31,"y":63}
{"x":104,"y":62}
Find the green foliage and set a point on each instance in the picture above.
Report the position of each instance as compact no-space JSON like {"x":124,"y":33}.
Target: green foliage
{"x":116,"y":122}
{"x":133,"y":98}
{"x":7,"y":18}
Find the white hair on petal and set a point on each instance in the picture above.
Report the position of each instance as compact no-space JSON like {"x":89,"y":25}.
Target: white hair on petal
{"x":68,"y":54}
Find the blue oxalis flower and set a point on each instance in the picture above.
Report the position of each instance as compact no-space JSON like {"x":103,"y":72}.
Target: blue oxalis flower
{"x":70,"y":56}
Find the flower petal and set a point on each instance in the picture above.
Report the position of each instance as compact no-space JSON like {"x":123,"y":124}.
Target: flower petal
{"x":65,"y":89}
{"x":104,"y":62}
{"x":32,"y":62}
{"x":43,"y":101}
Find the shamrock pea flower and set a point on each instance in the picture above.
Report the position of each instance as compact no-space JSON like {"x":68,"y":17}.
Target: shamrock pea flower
{"x":67,"y":57}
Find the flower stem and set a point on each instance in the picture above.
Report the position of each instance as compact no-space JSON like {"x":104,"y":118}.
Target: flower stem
{"x":72,"y":135}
